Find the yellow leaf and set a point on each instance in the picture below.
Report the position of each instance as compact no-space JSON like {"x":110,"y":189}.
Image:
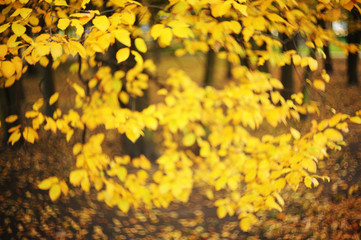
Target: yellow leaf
{"x":123,"y":205}
{"x":8,"y":69}
{"x":121,"y":173}
{"x":18,"y":29}
{"x":14,"y":137}
{"x":79,"y":90}
{"x":38,"y":104}
{"x":60,"y":3}
{"x":271,"y":204}
{"x":53,"y":98}
{"x":30,"y":134}
{"x":355,"y":119}
{"x":64,"y":187}
{"x":122,"y":54}
{"x":322,"y":125}
{"x":85,"y":184}
{"x":77,"y":176}
{"x":128,"y":18}
{"x":3,"y":50}
{"x":336,"y":119}
{"x":47,"y":183}
{"x":63,"y":23}
{"x":312,"y":63}
{"x":221,"y":211}
{"x":276,"y":83}
{"x":296,"y":59}
{"x":77,"y":148}
{"x":218,"y":10}
{"x":101,"y":22}
{"x":308,"y":182}
{"x":189,"y":139}
{"x":11,"y":118}
{"x":4,"y":27}
{"x":319,"y":84}
{"x":123,"y":36}
{"x":56,"y":50}
{"x":241,"y":8}
{"x":10,"y":81}
{"x":54,"y":192}
{"x":247,"y":222}
{"x":140,"y":45}
{"x":333,"y":135}
{"x":84,"y":3}
{"x":182,"y":32}
{"x":156,"y":30}
{"x":76,"y":47}
{"x":296,"y":134}
{"x":165,"y":37}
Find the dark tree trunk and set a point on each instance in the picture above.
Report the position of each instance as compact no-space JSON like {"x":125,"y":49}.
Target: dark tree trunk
{"x":287,"y":70}
{"x":11,"y":99}
{"x":353,"y":37}
{"x":209,"y":70}
{"x":326,"y":49}
{"x":48,"y":87}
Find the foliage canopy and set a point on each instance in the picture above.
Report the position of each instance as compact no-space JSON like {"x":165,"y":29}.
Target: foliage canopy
{"x":208,"y":135}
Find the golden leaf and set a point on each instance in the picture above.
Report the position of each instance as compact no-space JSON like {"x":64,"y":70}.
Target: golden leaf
{"x":312,"y":63}
{"x":4,"y":27}
{"x":123,"y":36}
{"x":156,"y":30}
{"x":30,"y":134}
{"x":47,"y":183}
{"x":128,"y":18}
{"x":189,"y":139}
{"x":76,"y":176}
{"x":165,"y":37}
{"x":14,"y":137}
{"x":123,"y":205}
{"x":56,"y":50}
{"x":140,"y":45}
{"x":53,"y":98}
{"x":221,"y":211}
{"x":54,"y":192}
{"x":18,"y":29}
{"x":3,"y":50}
{"x":355,"y":119}
{"x":122,"y":54}
{"x":247,"y":222}
{"x":319,"y":84}
{"x":63,"y":23}
{"x":64,"y":187}
{"x":333,"y":135}
{"x":11,"y":118}
{"x":296,"y":134}
{"x":101,"y":22}
{"x":60,"y":3}
{"x":7,"y":68}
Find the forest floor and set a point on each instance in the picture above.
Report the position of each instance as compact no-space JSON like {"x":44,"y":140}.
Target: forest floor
{"x":330,"y":211}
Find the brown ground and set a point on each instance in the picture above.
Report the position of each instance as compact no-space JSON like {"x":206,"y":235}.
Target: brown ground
{"x":331,"y":211}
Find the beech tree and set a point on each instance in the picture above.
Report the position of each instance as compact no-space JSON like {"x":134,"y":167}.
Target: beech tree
{"x":209,"y":135}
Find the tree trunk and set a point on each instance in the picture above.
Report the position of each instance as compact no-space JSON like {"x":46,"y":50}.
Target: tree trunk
{"x":287,"y":70}
{"x":209,"y":70}
{"x":353,"y":37}
{"x":48,"y":87}
{"x":11,"y":99}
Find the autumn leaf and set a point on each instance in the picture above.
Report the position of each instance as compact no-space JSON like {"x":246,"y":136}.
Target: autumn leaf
{"x":30,"y":134}
{"x":11,"y":118}
{"x":63,"y":23}
{"x":53,"y":98}
{"x":7,"y":68}
{"x":122,"y":54}
{"x":140,"y":45}
{"x":54,"y":192}
{"x":333,"y":134}
{"x":101,"y":22}
{"x":18,"y":29}
{"x":48,"y":183}
{"x":319,"y":84}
